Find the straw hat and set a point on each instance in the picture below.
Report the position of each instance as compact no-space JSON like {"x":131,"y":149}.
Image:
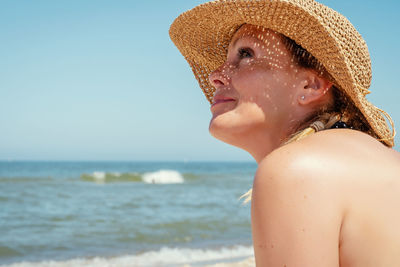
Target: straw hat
{"x":203,"y":33}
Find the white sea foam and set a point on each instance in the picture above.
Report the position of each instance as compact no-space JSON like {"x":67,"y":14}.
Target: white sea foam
{"x":162,"y":257}
{"x":99,"y":177}
{"x":163,"y":177}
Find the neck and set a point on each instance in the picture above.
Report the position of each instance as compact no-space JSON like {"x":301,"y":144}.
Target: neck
{"x":261,"y":145}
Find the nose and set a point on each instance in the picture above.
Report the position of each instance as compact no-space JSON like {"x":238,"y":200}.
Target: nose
{"x":219,"y":77}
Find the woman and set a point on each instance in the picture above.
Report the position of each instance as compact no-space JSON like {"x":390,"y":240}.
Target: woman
{"x":287,"y":81}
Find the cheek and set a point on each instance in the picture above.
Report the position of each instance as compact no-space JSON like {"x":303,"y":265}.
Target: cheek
{"x":259,"y":86}
{"x":271,"y":91}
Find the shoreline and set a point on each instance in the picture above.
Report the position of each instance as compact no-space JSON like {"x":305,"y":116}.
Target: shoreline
{"x":236,"y":256}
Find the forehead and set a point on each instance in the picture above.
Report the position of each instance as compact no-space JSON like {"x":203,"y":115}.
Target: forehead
{"x":257,"y":33}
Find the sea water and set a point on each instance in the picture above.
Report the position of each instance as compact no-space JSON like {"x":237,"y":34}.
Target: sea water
{"x":127,"y":213}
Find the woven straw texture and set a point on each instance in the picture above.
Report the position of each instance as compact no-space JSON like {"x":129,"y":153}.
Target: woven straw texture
{"x":203,"y":33}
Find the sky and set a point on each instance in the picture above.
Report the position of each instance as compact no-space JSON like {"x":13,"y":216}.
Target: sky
{"x":101,"y":80}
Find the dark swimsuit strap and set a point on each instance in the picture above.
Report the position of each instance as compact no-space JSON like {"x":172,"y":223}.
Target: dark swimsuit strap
{"x":340,"y":124}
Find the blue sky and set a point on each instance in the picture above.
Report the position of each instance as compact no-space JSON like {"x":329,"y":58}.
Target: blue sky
{"x":101,"y":80}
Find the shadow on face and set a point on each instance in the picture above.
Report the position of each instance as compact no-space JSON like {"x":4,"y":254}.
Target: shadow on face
{"x":255,"y":87}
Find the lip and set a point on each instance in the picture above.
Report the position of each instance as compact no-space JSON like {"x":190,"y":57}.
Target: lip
{"x":218,"y":99}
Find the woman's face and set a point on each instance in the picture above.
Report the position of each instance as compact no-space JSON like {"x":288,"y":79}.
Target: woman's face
{"x":255,"y":88}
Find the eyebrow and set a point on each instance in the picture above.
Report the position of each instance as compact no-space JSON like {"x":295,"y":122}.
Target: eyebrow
{"x":244,"y":37}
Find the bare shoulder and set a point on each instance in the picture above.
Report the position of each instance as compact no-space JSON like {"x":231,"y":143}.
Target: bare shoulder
{"x":332,"y":153}
{"x":297,"y":206}
{"x":319,"y":161}
{"x":317,"y":165}
{"x":311,"y":196}
{"x":331,"y":161}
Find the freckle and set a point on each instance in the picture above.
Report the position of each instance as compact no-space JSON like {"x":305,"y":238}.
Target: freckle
{"x":303,"y":230}
{"x":305,"y":196}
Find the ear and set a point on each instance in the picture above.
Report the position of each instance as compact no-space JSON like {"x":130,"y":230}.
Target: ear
{"x":313,"y":88}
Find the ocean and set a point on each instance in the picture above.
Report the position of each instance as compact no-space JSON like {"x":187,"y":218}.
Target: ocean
{"x":125,"y":213}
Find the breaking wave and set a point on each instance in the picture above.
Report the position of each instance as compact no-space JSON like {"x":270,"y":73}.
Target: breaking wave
{"x":157,"y":177}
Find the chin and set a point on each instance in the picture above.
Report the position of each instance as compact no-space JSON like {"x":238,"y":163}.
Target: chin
{"x":234,"y":128}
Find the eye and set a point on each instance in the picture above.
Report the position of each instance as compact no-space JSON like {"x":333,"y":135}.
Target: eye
{"x":245,"y":53}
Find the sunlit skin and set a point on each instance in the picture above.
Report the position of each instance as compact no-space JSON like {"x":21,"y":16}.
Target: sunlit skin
{"x":331,"y":199}
{"x":266,"y":89}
